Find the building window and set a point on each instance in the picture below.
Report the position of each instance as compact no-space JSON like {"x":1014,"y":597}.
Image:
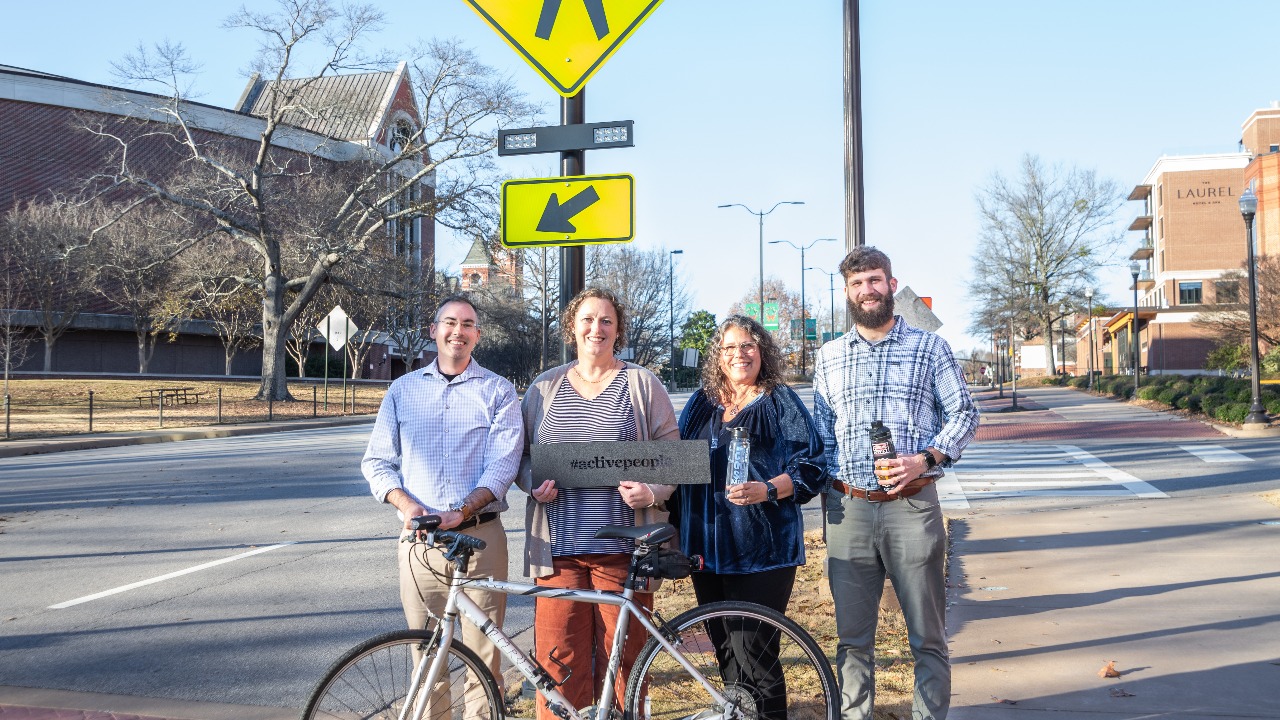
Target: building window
{"x":1189,"y":293}
{"x":1160,"y":195}
{"x":1226,"y":291}
{"x":400,"y":135}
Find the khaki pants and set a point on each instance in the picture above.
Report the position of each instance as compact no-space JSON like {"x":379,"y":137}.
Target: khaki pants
{"x":421,"y":592}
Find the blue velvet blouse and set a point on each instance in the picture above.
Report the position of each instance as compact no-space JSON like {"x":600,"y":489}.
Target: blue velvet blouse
{"x":734,"y":539}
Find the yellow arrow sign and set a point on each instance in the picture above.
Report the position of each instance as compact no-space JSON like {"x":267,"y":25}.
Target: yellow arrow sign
{"x":578,"y":210}
{"x":566,"y":41}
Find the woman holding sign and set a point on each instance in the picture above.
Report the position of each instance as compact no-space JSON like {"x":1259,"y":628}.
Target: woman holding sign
{"x":596,"y":398}
{"x":748,"y":528}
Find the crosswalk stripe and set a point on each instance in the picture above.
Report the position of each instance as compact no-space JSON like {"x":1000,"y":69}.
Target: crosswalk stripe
{"x":1215,"y":454}
{"x":1010,"y":471}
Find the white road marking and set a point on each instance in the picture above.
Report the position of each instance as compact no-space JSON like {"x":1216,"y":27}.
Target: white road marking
{"x":1215,"y":454}
{"x":991,"y":471}
{"x":170,"y":576}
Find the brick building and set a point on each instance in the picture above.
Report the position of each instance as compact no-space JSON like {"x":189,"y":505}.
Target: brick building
{"x":1189,"y":258}
{"x":44,"y":149}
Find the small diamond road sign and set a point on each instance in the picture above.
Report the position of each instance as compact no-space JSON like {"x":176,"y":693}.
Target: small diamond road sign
{"x":337,"y":327}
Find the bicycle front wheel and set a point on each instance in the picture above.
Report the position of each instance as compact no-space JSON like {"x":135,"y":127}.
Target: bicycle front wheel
{"x":375,"y":680}
{"x":762,"y":662}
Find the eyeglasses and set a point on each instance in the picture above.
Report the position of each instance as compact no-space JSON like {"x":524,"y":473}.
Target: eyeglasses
{"x":452,"y":324}
{"x":746,"y":348}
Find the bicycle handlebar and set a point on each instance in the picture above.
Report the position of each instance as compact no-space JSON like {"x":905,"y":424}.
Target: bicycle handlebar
{"x":430,"y":523}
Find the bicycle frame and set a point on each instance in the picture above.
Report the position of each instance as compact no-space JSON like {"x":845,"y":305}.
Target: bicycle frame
{"x":458,"y":602}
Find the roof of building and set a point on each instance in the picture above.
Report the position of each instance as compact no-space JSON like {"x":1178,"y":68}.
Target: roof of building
{"x":348,"y":107}
{"x":478,"y":254}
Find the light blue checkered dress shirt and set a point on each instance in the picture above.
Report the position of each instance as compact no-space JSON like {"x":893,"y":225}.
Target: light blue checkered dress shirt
{"x":438,"y":440}
{"x":909,"y":380}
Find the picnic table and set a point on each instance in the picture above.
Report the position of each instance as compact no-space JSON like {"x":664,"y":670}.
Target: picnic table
{"x":171,"y":396}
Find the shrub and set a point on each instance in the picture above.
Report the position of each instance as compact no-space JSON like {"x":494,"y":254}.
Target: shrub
{"x":1190,"y":401}
{"x":1079,"y":382}
{"x":1272,"y":406}
{"x":1232,"y":412}
{"x":1169,"y":396}
{"x":1210,"y":402}
{"x":1210,"y":383}
{"x":1149,"y":392}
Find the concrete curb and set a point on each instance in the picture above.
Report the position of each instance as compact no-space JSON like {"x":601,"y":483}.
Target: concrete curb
{"x":37,"y":446}
{"x":42,"y":704}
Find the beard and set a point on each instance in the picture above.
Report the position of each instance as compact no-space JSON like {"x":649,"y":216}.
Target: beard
{"x":878,"y":317}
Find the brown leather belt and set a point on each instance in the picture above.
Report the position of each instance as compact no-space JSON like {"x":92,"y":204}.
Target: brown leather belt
{"x":478,"y":519}
{"x":912,"y":488}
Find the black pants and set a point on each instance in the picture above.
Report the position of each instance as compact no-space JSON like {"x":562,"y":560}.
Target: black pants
{"x":747,"y":652}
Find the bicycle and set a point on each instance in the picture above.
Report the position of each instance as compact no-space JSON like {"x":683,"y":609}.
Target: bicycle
{"x":695,"y":667}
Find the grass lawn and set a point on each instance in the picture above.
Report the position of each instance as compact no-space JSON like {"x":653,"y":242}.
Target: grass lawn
{"x":61,"y":407}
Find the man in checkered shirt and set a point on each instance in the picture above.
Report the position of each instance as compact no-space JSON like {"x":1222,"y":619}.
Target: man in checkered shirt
{"x":883,"y":517}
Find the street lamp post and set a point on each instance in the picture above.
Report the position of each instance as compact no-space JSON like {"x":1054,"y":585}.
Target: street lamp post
{"x":831,"y":289}
{"x":1062,"y":330}
{"x":804,"y":324}
{"x":1088,"y":299}
{"x":760,"y":216}
{"x":671,"y":311}
{"x":1134,"y":269}
{"x":1248,"y":208}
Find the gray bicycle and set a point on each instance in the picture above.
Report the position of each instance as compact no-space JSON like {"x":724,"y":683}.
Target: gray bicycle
{"x":728,"y":660}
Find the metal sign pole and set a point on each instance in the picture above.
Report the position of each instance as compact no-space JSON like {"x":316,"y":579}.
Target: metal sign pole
{"x":328,"y":333}
{"x":573,"y":110}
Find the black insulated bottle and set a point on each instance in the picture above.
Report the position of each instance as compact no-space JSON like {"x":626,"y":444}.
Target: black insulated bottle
{"x":882,"y":446}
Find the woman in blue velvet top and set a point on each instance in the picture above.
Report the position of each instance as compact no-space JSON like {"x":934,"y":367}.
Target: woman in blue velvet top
{"x":751,"y":535}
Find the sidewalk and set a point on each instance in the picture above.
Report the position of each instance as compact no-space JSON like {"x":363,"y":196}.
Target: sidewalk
{"x":1180,"y":593}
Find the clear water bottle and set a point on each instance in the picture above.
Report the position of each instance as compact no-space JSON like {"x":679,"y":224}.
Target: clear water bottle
{"x":739,"y":457}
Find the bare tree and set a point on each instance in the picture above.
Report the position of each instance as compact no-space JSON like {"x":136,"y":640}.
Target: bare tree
{"x":304,"y":332}
{"x":1228,"y":317}
{"x":1043,"y":236}
{"x":47,"y":247}
{"x":788,"y":310}
{"x":640,"y":279}
{"x":136,"y":273}
{"x":301,"y":216}
{"x":15,"y":338}
{"x":214,"y":279}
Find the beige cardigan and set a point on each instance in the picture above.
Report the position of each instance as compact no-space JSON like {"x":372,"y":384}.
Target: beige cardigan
{"x":655,"y":420}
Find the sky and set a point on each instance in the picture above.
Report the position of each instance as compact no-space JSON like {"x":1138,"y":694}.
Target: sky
{"x":741,"y":101}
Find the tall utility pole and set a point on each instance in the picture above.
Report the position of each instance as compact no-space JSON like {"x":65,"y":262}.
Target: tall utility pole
{"x":855,"y":225}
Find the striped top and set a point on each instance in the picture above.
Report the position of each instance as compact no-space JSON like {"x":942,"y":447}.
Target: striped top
{"x":577,"y":513}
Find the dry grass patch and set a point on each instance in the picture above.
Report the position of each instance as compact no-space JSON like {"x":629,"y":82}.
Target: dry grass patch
{"x":812,"y":607}
{"x":41,"y":408}
{"x":1272,"y":497}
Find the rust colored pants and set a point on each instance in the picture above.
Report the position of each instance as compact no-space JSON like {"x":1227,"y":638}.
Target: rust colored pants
{"x":581,"y":633}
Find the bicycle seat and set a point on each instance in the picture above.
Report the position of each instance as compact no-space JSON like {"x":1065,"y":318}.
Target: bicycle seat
{"x":654,"y":534}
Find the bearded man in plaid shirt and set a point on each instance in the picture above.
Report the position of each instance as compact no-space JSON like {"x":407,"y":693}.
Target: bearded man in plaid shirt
{"x":883,"y":517}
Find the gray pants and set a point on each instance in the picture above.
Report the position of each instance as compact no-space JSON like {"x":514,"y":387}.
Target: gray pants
{"x":905,"y":540}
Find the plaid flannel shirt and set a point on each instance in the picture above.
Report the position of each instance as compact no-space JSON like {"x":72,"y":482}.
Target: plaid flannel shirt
{"x":909,"y":380}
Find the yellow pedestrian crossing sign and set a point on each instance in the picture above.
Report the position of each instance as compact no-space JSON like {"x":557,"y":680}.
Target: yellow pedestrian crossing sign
{"x":566,"y":41}
{"x":577,"y":210}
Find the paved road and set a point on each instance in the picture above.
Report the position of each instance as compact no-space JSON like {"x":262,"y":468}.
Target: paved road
{"x":288,"y":563}
{"x":264,"y":558}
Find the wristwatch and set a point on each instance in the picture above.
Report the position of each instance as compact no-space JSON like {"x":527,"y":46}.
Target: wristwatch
{"x":930,"y":462}
{"x":461,"y":508}
{"x":772,"y":491}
